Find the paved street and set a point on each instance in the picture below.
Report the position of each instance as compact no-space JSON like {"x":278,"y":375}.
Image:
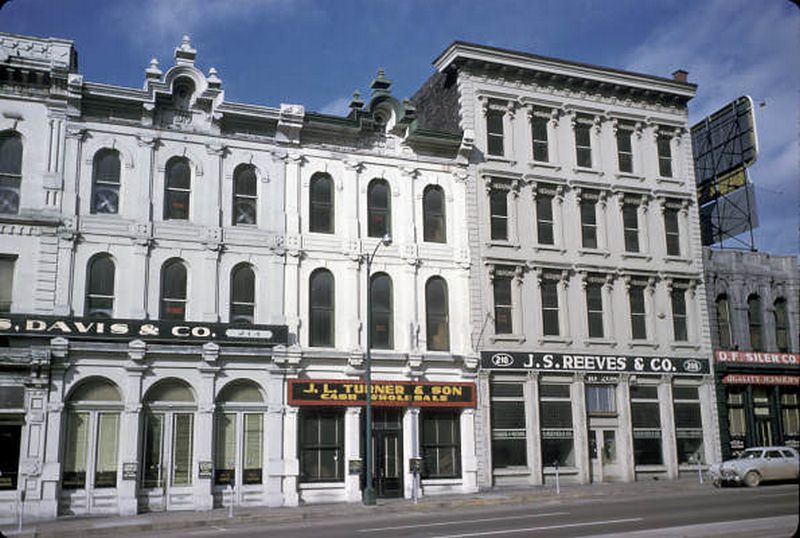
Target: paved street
{"x":769,"y":511}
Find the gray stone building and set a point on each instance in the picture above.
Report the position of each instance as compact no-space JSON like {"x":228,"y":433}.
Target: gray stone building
{"x":753,"y":306}
{"x":588,"y":302}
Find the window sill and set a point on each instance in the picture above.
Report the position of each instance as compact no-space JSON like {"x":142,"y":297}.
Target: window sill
{"x":502,"y":244}
{"x":636,"y":256}
{"x":591,"y":171}
{"x":677,"y":259}
{"x":594,"y":252}
{"x":511,"y":471}
{"x":499,"y":159}
{"x":628,"y":175}
{"x":451,"y":481}
{"x":545,"y":164}
{"x":650,"y":468}
{"x":601,"y":414}
{"x":562,"y":340}
{"x":642,"y":344}
{"x":672,"y":180}
{"x":321,"y":485}
{"x":549,"y":248}
{"x":561,"y":470}
{"x":592,"y":342}
{"x":684,"y":346}
{"x":518,"y":338}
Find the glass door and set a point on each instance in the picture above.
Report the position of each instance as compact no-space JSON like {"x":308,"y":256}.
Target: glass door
{"x":387,"y":443}
{"x":168,"y":454}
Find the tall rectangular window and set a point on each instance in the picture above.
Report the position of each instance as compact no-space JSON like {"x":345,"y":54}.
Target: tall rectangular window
{"x":664,"y":156}
{"x":253,"y":448}
{"x":544,"y":218}
{"x":724,"y":322}
{"x":589,"y":219}
{"x":583,"y":143}
{"x":502,"y":305}
{"x":737,"y":425}
{"x":105,"y":475}
{"x":549,"y":289}
{"x":6,"y":281}
{"x":630,"y":223}
{"x":225,"y":449}
{"x":638,"y":315}
{"x":77,"y":443}
{"x":441,"y":444}
{"x":539,"y":135}
{"x":672,"y":231}
{"x":781,"y":325}
{"x":688,"y":424}
{"x":646,"y":422}
{"x":678,"y":297}
{"x":498,"y":206}
{"x":754,"y":322}
{"x":624,"y":150}
{"x":182,"y":436}
{"x":494,"y":130}
{"x":594,"y":307}
{"x":558,"y":444}
{"x":321,"y":446}
{"x":790,"y":413}
{"x":508,"y":426}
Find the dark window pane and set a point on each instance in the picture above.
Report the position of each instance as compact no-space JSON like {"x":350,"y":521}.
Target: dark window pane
{"x":583,"y":145}
{"x":539,"y":132}
{"x":499,"y":213}
{"x":672,"y":232}
{"x":647,"y":451}
{"x":243,"y":294}
{"x":544,"y":219}
{"x":624,"y":150}
{"x":638,"y":322}
{"x":502,"y":305}
{"x":433,"y":215}
{"x":244,"y":195}
{"x":378,"y":208}
{"x":630,"y":219}
{"x":508,"y":415}
{"x":494,"y":130}
{"x":679,"y":314}
{"x":664,"y":157}
{"x":10,"y":171}
{"x":173,"y":290}
{"x":643,"y":392}
{"x":100,"y":287}
{"x":588,"y":224}
{"x":437,"y":312}
{"x":507,"y":390}
{"x":381,"y":302}
{"x":723,"y":322}
{"x":321,"y":301}
{"x":554,"y":391}
{"x":177,"y":189}
{"x":549,"y":291}
{"x":105,"y":182}
{"x":558,"y":451}
{"x":594,"y":309}
{"x":441,"y":446}
{"x":754,"y":321}
{"x":781,"y":325}
{"x":321,"y":204}
{"x":687,"y":415}
{"x":509,"y":453}
{"x":645,"y":415}
{"x":321,"y":446}
{"x":556,"y":414}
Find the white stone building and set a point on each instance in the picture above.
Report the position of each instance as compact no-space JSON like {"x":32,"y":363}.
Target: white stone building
{"x":588,"y":303}
{"x":157,"y":242}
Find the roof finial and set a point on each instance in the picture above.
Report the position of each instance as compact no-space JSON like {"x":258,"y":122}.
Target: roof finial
{"x":185,"y":54}
{"x":153,"y":72}
{"x":381,"y":84}
{"x":356,"y":103}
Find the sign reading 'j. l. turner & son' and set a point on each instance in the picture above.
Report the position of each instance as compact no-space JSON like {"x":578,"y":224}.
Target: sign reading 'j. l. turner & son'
{"x":555,"y":362}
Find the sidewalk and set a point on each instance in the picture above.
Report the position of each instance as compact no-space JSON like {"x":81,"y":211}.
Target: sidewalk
{"x":87,"y":527}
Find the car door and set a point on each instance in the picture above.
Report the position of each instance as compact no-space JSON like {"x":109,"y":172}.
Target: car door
{"x":791,"y":464}
{"x":773,"y":465}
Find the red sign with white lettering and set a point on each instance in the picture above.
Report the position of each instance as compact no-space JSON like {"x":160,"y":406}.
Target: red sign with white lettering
{"x":760,"y":379}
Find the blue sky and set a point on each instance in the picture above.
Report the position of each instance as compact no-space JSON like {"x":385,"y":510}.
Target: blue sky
{"x":316,"y":52}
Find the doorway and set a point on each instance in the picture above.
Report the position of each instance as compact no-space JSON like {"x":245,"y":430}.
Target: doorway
{"x":10,"y":436}
{"x":603,"y":454}
{"x":387,"y":442}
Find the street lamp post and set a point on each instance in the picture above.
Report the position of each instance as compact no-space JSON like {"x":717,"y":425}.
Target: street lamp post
{"x":369,"y":491}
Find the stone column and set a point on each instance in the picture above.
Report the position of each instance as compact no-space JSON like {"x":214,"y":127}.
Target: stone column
{"x":711,"y":442}
{"x":625,"y":434}
{"x":130,"y":429}
{"x":535,"y":464}
{"x":580,"y":428}
{"x":411,"y":449}
{"x":469,"y":460}
{"x":208,"y":309}
{"x":291,"y":462}
{"x":667,"y":415}
{"x":352,"y":451}
{"x":50,"y":477}
{"x":204,"y":428}
{"x":483,"y":433}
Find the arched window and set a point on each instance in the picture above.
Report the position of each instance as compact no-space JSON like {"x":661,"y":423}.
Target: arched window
{"x":173,"y":290}
{"x":381,"y":312}
{"x":321,"y":203}
{"x":379,"y":209}
{"x":781,"y":325}
{"x":433,"y":215}
{"x":100,"y":287}
{"x":167,"y":447}
{"x":105,"y":182}
{"x":724,"y":322}
{"x":243,"y":294}
{"x":91,"y":442}
{"x":177,"y":189}
{"x":754,"y":321}
{"x":437,"y":314}
{"x":239,"y":444}
{"x":245,"y":198}
{"x":10,"y":171}
{"x":321,"y":308}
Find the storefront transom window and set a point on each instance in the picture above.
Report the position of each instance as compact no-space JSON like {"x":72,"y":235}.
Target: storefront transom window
{"x":558,"y":439}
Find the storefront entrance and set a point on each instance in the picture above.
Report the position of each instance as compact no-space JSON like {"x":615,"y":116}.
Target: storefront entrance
{"x":9,"y":455}
{"x":387,"y":442}
{"x":603,"y":454}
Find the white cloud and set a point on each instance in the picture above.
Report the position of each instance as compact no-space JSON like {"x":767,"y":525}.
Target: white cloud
{"x":337,"y":107}
{"x":733,"y":48}
{"x":154,"y":24}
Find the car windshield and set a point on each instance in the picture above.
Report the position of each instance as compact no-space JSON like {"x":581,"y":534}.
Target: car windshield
{"x":750,"y":454}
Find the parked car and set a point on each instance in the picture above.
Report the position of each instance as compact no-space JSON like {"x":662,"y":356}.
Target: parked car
{"x":756,"y":465}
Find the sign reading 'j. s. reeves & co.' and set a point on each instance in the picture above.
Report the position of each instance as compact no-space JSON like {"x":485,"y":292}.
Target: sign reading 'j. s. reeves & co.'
{"x":148,"y":330}
{"x":384,"y":393}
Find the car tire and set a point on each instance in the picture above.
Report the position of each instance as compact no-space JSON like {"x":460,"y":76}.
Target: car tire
{"x":752,"y":479}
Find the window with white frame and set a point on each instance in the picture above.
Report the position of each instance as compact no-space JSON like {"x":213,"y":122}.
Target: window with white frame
{"x":539,"y":121}
{"x":672,"y":232}
{"x":10,"y":171}
{"x":588,"y":210}
{"x":678,"y":300}
{"x":630,"y":224}
{"x":636,"y":293}
{"x":106,"y":182}
{"x":594,"y":306}
{"x":177,"y":189}
{"x":441,"y":443}
{"x":243,"y":294}
{"x":646,"y":423}
{"x":7,"y":264}
{"x":321,"y":445}
{"x":663,"y":142}
{"x":494,"y":128}
{"x":245,"y":195}
{"x":509,"y":434}
{"x":625,"y":147}
{"x":501,"y":286}
{"x":544,"y":215}
{"x":555,"y":415}
{"x":754,"y":322}
{"x":723,"y":321}
{"x":583,"y":141}
{"x":239,"y":442}
{"x":498,"y":207}
{"x":601,"y":399}
{"x":99,"y":301}
{"x":550,"y":304}
{"x":781,"y":325}
{"x":688,"y":424}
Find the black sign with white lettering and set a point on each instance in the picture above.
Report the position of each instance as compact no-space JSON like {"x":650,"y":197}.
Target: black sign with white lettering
{"x":563,"y":362}
{"x":147,"y":330}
